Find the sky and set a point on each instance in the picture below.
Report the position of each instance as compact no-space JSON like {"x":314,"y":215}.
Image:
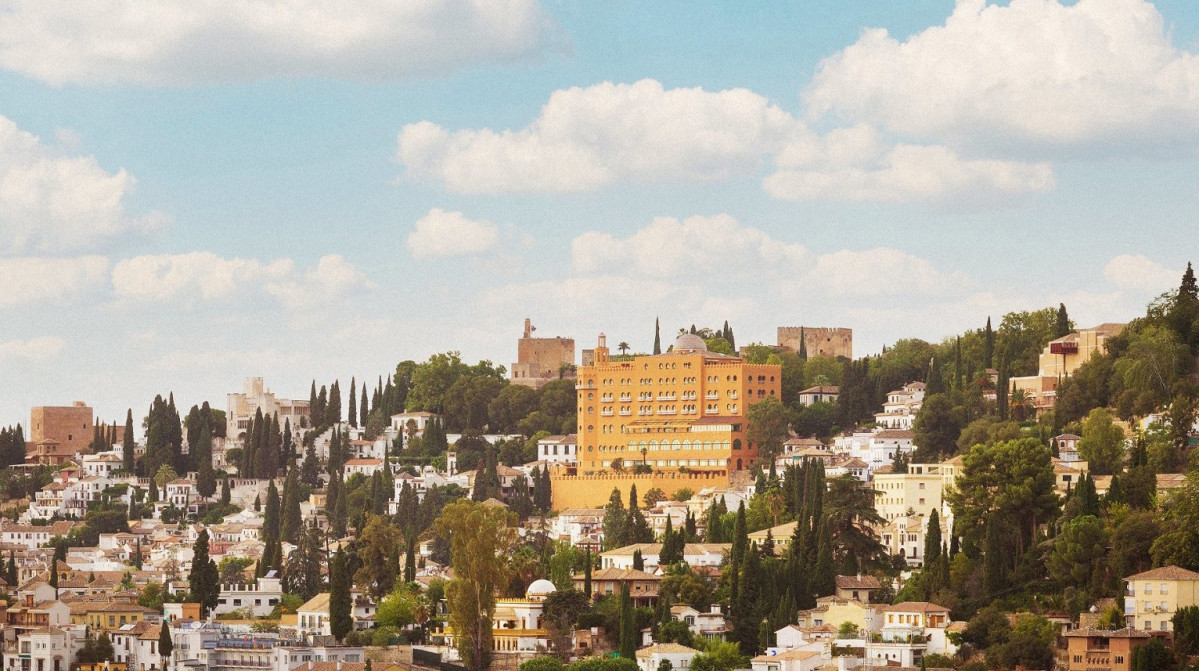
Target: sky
{"x":194,"y":192}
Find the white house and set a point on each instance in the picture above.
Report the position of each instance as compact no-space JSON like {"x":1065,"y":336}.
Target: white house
{"x":260,"y":598}
{"x":650,"y":657}
{"x":366,"y":467}
{"x":694,"y":554}
{"x":559,"y":449}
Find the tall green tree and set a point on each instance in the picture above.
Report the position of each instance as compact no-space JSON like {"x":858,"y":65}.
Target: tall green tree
{"x":628,"y":624}
{"x":204,"y":578}
{"x":205,"y":475}
{"x":615,"y":521}
{"x":1102,"y":443}
{"x":657,"y":337}
{"x":480,"y":539}
{"x":303,"y":573}
{"x":292,"y":523}
{"x":340,"y":619}
{"x":128,"y":446}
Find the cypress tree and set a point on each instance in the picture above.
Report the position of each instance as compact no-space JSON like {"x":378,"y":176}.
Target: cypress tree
{"x":628,"y":624}
{"x":824,"y":578}
{"x":803,"y":345}
{"x":363,"y":411}
{"x":340,"y":621}
{"x":746,"y":614}
{"x":270,"y":531}
{"x":587,"y":574}
{"x":988,"y":345}
{"x":137,"y":554}
{"x":128,"y":446}
{"x":737,"y":554}
{"x":225,"y":493}
{"x":10,"y":572}
{"x":352,"y":406}
{"x":204,"y":579}
{"x":657,"y":337}
{"x":638,"y":561}
{"x":165,"y":645}
{"x":205,"y":475}
{"x":932,"y":538}
{"x":1062,"y":325}
{"x":292,"y":525}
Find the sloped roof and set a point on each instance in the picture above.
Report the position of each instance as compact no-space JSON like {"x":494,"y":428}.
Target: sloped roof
{"x":1165,"y":573}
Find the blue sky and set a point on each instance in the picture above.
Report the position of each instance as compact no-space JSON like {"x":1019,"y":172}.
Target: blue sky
{"x":203,"y":191}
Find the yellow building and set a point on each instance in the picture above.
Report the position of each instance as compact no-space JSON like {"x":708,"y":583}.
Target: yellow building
{"x":920,"y":489}
{"x":1155,"y":595}
{"x":681,"y":411}
{"x":109,"y":616}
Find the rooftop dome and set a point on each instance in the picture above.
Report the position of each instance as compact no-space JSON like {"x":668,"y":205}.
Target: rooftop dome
{"x":540,"y":588}
{"x":689,"y":342}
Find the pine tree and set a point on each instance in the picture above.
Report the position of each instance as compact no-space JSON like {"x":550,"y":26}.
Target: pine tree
{"x":657,"y":337}
{"x":340,"y":621}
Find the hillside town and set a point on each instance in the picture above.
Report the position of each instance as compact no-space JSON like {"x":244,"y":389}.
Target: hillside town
{"x":1016,"y":497}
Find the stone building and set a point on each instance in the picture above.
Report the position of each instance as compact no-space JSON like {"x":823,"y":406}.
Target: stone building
{"x":818,"y":340}
{"x":254,"y":397}
{"x":541,"y":360}
{"x":71,"y":427}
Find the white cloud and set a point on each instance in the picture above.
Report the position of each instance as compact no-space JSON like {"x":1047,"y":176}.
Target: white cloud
{"x":332,"y":278}
{"x":695,"y":247}
{"x":880,"y":273}
{"x":40,"y":348}
{"x":46,"y":281}
{"x":857,"y":164}
{"x":589,"y":137}
{"x":1037,"y":73}
{"x":177,"y":41}
{"x":52,"y":202}
{"x":198,"y":277}
{"x":1140,"y":273}
{"x":440,"y":234}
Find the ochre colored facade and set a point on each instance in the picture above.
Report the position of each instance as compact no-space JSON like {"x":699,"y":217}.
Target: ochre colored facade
{"x":679,"y":413}
{"x":818,"y":340}
{"x":70,"y":426}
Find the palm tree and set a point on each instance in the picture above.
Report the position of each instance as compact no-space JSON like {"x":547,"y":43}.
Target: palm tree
{"x":623,"y":347}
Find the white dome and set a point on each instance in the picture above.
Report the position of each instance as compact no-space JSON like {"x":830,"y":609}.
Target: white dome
{"x":689,"y":342}
{"x":540,"y":588}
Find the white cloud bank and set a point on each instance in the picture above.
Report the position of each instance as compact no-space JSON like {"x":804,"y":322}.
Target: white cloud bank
{"x":50,"y":202}
{"x":197,"y":277}
{"x":440,"y":234}
{"x":35,"y":349}
{"x":587,"y":138}
{"x":1095,"y":75}
{"x":184,"y":41}
{"x":47,"y":280}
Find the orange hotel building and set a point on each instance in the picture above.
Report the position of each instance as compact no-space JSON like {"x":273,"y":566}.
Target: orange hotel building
{"x":684,"y":408}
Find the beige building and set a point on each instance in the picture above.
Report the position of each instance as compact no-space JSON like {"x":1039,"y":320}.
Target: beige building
{"x":1061,"y":357}
{"x":818,"y":340}
{"x":254,"y":397}
{"x":1154,"y":596}
{"x":919,"y":490}
{"x":541,"y":360}
{"x":71,"y":427}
